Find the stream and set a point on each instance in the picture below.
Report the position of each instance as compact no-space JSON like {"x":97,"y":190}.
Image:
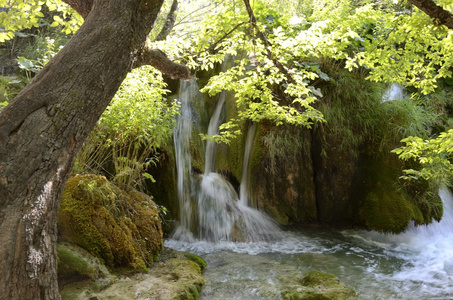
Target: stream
{"x":417,"y":264}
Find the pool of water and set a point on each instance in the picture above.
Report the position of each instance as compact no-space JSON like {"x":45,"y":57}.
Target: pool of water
{"x":417,"y":264}
{"x":376,"y":266}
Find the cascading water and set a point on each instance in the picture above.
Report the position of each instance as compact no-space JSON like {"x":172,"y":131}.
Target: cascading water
{"x":245,"y":180}
{"x":428,"y":254}
{"x":221,"y":215}
{"x":182,"y":134}
{"x":394,"y":92}
{"x":213,"y":129}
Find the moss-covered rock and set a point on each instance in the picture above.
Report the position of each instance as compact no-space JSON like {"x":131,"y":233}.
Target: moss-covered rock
{"x":174,"y":277}
{"x":76,"y":262}
{"x":317,"y":285}
{"x":197,"y":259}
{"x":121,"y":228}
{"x":282,"y":174}
{"x":386,"y":205}
{"x":77,"y":267}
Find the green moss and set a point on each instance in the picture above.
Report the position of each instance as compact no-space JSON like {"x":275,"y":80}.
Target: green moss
{"x":72,"y":262}
{"x":317,"y":285}
{"x":425,"y":194}
{"x":314,"y":278}
{"x":197,"y":259}
{"x":122,"y":229}
{"x":386,"y":206}
{"x":387,"y":211}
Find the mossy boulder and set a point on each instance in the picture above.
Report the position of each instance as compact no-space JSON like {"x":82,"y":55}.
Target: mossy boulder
{"x":174,"y":276}
{"x":121,"y":228}
{"x":388,"y":206}
{"x":317,"y":285}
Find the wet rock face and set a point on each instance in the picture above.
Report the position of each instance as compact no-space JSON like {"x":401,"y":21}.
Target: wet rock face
{"x":282,"y":174}
{"x":122,"y":229}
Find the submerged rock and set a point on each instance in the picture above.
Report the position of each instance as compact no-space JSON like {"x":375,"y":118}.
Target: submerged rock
{"x":317,"y":285}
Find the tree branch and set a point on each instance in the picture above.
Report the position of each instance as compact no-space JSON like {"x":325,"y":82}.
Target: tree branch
{"x":169,"y":23}
{"x":212,"y":47}
{"x":147,"y":56}
{"x":161,"y":62}
{"x":435,"y":11}
{"x":266,"y":43}
{"x":83,"y":7}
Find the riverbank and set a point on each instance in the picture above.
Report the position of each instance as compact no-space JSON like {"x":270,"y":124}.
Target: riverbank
{"x":176,"y":275}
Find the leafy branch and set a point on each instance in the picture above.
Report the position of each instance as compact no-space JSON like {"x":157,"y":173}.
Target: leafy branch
{"x":433,"y":155}
{"x":435,"y":11}
{"x":266,"y":43}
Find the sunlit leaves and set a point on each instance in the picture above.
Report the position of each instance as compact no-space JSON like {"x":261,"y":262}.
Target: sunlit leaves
{"x":404,"y":48}
{"x":434,"y":156}
{"x":139,"y":111}
{"x":261,"y":89}
{"x":17,"y":15}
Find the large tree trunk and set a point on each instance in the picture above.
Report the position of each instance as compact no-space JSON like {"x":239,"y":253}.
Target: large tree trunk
{"x":42,"y":129}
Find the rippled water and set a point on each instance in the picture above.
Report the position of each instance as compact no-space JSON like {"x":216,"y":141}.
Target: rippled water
{"x":415,"y":265}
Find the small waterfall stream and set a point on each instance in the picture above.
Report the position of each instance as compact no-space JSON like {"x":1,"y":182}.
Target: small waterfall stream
{"x":213,"y":129}
{"x":394,"y":92}
{"x":182,"y":135}
{"x":245,"y":181}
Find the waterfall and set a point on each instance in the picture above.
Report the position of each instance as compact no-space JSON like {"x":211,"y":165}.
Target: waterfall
{"x":425,"y":236}
{"x":436,"y":230}
{"x":213,"y":129}
{"x":182,"y":135}
{"x":210,"y":208}
{"x":427,"y":251}
{"x":245,"y":181}
{"x":394,"y":92}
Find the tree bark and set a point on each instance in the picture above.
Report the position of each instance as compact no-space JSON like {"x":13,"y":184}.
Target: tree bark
{"x":42,"y":129}
{"x":169,"y":22}
{"x":435,"y":11}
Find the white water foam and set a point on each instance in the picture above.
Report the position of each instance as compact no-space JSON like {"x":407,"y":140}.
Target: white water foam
{"x":427,"y":252}
{"x":394,"y":92}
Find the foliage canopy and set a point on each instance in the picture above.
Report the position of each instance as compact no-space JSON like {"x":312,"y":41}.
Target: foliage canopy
{"x":278,"y":47}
